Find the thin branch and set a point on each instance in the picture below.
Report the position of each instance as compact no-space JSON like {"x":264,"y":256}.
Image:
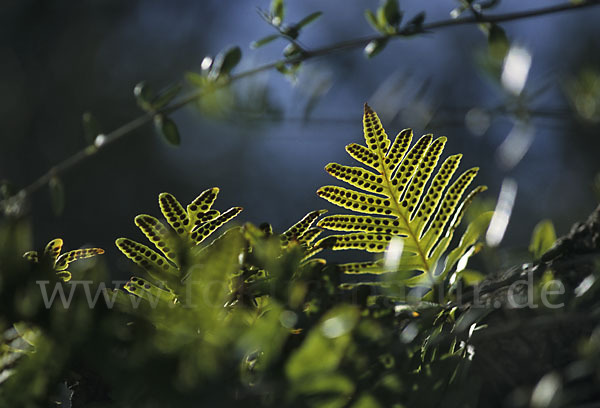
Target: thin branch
{"x":303,"y":56}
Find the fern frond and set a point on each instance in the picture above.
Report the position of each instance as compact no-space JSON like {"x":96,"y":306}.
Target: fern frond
{"x":65,"y":259}
{"x":188,"y":228}
{"x":60,"y":262}
{"x":148,"y":291}
{"x":400,"y":199}
{"x":300,"y":229}
{"x":159,"y":235}
{"x":52,"y":250}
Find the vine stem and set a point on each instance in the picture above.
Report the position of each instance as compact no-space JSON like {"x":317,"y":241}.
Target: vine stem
{"x":142,"y":120}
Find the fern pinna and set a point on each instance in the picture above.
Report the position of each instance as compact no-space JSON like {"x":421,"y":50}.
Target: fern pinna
{"x":59,"y":262}
{"x":392,"y":199}
{"x":189,"y":228}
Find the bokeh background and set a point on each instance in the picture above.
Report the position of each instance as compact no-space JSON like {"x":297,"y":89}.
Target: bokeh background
{"x":59,"y":59}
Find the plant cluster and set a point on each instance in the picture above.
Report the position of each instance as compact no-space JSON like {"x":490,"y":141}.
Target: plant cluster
{"x":253,"y":318}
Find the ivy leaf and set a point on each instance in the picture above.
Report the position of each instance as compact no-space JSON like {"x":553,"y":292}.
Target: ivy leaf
{"x":264,"y":41}
{"x":309,"y":19}
{"x":57,"y":195}
{"x":224,"y":62}
{"x":167,"y":129}
{"x":542,"y":239}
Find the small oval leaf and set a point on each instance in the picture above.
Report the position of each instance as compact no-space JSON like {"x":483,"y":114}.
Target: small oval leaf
{"x":309,"y":19}
{"x":392,"y":12}
{"x":277,"y":11}
{"x":224,"y":62}
{"x":167,"y":129}
{"x":264,"y":41}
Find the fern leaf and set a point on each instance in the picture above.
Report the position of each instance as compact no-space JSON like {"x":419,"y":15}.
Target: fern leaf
{"x":401,"y":197}
{"x":201,"y":205}
{"x":202,"y":231}
{"x":31,"y":256}
{"x":52,"y":250}
{"x":369,"y":267}
{"x":189,"y":228}
{"x":148,"y":291}
{"x":68,"y":257}
{"x":205,"y":217}
{"x":299,"y":229}
{"x":60,"y":263}
{"x":64,"y":275}
{"x":159,"y":235}
{"x":309,"y":236}
{"x":154,"y":264}
{"x":362,"y":223}
{"x":174,"y":213}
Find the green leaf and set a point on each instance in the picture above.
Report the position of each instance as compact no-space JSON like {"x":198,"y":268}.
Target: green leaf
{"x":148,"y":291}
{"x":375,"y":47}
{"x":417,"y":21}
{"x":277,"y":11}
{"x":167,"y":129}
{"x":498,"y":43}
{"x":69,"y":257}
{"x":392,"y":13}
{"x":166,"y":96}
{"x":224,"y":62}
{"x":470,"y":277}
{"x":542,"y":239}
{"x":196,"y":79}
{"x":324,"y":347}
{"x":371,"y":19}
{"x":91,"y":127}
{"x":474,"y":231}
{"x":392,"y":191}
{"x":309,"y":19}
{"x":57,"y":195}
{"x":264,"y":41}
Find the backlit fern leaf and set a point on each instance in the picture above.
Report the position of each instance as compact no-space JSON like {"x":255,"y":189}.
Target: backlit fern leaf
{"x":399,"y":198}
{"x":189,"y":227}
{"x":59,"y":262}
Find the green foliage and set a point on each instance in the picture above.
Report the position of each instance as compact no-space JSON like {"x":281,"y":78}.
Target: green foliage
{"x":395,"y":203}
{"x":167,"y":129}
{"x":252,"y":318}
{"x":188,"y":228}
{"x":59,"y":263}
{"x":542,"y":238}
{"x":387,"y":18}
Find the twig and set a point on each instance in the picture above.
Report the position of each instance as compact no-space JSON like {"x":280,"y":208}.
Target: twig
{"x":305,"y":55}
